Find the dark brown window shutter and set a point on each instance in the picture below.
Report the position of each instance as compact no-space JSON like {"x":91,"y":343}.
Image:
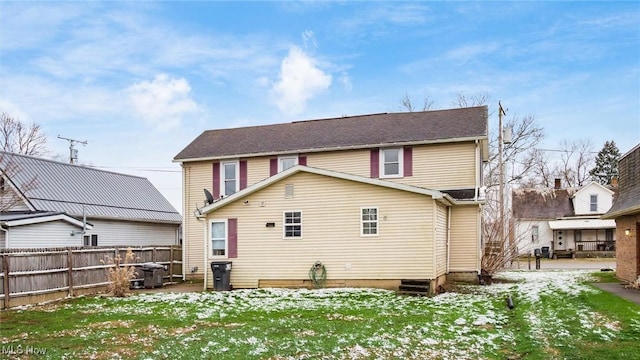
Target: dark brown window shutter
{"x":273,"y":166}
{"x":408,"y":161}
{"x":216,"y":180}
{"x":243,"y":174}
{"x":302,"y":160}
{"x":233,"y":238}
{"x":375,"y":163}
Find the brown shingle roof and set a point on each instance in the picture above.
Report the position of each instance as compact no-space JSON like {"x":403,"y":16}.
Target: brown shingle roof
{"x":542,"y":203}
{"x":627,"y":200}
{"x":346,"y":132}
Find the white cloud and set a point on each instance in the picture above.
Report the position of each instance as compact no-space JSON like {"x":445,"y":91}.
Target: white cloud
{"x":162,"y":102}
{"x":309,"y":40}
{"x":300,"y":80}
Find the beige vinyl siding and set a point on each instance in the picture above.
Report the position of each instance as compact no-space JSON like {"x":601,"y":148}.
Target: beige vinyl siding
{"x":356,"y":162}
{"x":330,"y":232}
{"x":443,"y":166}
{"x":47,"y":234}
{"x":464,"y":242}
{"x":197,"y":176}
{"x":128,"y":233}
{"x":441,"y":239}
{"x":257,"y":169}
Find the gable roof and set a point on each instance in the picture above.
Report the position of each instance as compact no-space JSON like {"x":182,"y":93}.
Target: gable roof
{"x":542,"y":203}
{"x":435,"y":194}
{"x":628,"y":198}
{"x":67,"y":188}
{"x":21,"y":218}
{"x":351,"y":132}
{"x":592,"y":184}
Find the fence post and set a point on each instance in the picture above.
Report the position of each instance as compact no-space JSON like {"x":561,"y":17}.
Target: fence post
{"x":70,"y":272}
{"x":171,"y":264}
{"x":5,"y":268}
{"x":153,"y":254}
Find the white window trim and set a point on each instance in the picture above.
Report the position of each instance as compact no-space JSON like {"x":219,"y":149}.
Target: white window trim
{"x":400,"y":163}
{"x":284,"y":225}
{"x":280,"y":158}
{"x":236,"y":176}
{"x":362,"y":234}
{"x":226,"y":238}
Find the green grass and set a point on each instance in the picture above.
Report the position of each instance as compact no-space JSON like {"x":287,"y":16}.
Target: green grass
{"x":557,"y":315}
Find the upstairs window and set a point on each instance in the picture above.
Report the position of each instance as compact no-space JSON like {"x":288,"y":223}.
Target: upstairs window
{"x":230,"y":176}
{"x":286,"y":162}
{"x":369,"y":221}
{"x":391,"y":162}
{"x":593,"y":203}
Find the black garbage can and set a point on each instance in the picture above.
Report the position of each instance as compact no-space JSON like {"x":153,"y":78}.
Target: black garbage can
{"x":545,"y":252}
{"x":221,"y":275}
{"x":153,"y":274}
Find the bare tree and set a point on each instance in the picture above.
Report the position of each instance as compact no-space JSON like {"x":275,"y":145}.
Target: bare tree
{"x":576,"y":159}
{"x":18,"y":138}
{"x":462,"y":100}
{"x":407,"y":104}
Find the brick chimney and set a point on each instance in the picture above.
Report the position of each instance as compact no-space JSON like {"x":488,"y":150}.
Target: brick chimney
{"x":557,"y":184}
{"x":614,"y":182}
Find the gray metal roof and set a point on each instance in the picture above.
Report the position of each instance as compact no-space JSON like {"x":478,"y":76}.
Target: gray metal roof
{"x":338,"y":133}
{"x":67,"y":188}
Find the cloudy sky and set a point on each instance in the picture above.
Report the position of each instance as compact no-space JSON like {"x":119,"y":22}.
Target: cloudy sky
{"x":140,"y":80}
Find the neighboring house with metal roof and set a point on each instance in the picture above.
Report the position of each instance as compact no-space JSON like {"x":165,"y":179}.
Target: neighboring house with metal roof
{"x":374,"y":198}
{"x":626,"y":213}
{"x":564,"y":221}
{"x":46,"y":203}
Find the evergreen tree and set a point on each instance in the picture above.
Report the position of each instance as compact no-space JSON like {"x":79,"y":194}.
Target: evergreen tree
{"x":606,"y":164}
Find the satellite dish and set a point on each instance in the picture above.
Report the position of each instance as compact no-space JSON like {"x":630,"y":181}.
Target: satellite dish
{"x":209,"y":199}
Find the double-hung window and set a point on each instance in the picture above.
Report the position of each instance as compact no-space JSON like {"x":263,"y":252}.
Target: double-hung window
{"x":391,"y":162}
{"x":91,"y":240}
{"x":292,"y":224}
{"x":229,"y":174}
{"x":369,"y":221}
{"x":534,"y":233}
{"x":593,"y":203}
{"x":286,"y":162}
{"x":218,"y":237}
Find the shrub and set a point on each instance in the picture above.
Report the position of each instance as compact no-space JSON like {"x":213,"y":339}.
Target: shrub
{"x":120,"y":274}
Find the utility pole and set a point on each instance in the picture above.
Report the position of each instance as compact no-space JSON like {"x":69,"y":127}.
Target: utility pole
{"x":73,"y":152}
{"x":501,"y":112}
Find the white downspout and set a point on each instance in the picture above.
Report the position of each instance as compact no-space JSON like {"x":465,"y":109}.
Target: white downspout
{"x":478,"y":160}
{"x":448,"y":238}
{"x":6,"y":237}
{"x":204,"y":268}
{"x":185,"y":195}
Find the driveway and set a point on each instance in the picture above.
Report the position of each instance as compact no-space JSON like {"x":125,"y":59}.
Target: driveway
{"x":566,"y":264}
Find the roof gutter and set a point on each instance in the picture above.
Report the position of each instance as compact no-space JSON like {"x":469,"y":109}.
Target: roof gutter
{"x":333,"y":148}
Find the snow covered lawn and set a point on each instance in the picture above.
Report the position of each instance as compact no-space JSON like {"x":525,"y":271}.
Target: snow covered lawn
{"x":554,"y":317}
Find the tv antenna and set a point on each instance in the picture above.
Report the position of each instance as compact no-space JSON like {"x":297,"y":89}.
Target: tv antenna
{"x":73,"y":152}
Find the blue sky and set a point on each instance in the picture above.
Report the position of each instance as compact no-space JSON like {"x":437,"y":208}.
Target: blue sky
{"x":140,"y":80}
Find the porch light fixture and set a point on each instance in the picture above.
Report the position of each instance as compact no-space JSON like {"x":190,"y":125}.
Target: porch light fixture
{"x":627,"y":232}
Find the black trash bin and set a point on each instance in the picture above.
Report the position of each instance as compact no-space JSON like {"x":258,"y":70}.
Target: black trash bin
{"x":221,"y":275}
{"x":545,"y":252}
{"x":153,"y":274}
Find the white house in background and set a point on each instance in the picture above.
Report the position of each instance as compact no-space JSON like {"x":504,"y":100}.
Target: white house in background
{"x":44,"y":203}
{"x":564,"y":222}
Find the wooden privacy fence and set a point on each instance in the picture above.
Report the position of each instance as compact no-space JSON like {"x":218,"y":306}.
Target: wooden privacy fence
{"x":35,"y":275}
